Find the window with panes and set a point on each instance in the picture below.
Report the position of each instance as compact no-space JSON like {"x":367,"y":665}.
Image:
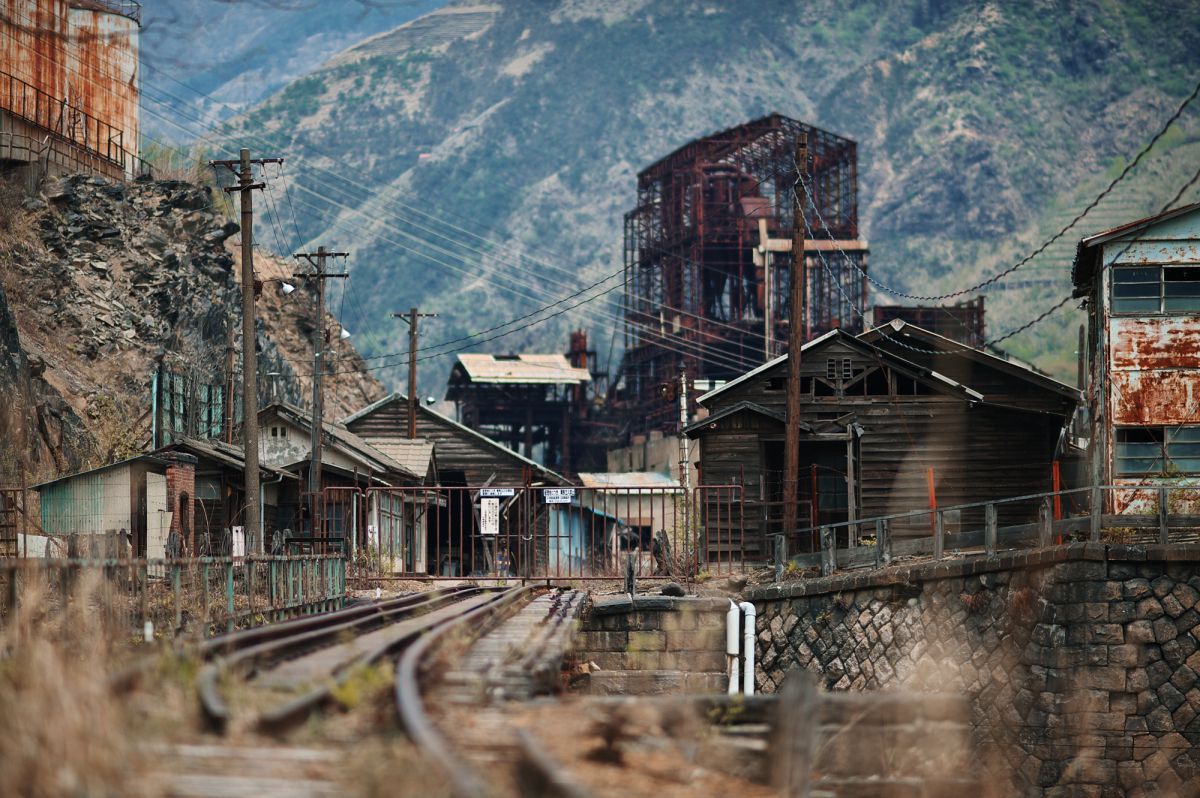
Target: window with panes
{"x":1155,"y":289}
{"x":1142,"y":451}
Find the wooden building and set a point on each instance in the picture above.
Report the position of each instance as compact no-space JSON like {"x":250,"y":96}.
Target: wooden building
{"x":1142,"y":286}
{"x":213,"y":502}
{"x":464,"y":456}
{"x":889,"y":419}
{"x":525,"y":401}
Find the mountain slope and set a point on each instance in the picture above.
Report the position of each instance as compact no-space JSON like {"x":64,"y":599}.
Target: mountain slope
{"x":478,"y":174}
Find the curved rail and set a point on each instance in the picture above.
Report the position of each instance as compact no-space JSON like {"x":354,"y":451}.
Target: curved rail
{"x":250,"y":650}
{"x":464,"y":782}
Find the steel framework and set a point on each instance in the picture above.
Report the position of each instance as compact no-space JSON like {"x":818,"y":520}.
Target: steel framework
{"x":694,"y":295}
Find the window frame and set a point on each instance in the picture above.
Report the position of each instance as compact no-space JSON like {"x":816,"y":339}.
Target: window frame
{"x":1172,"y":444}
{"x":1162,"y":298}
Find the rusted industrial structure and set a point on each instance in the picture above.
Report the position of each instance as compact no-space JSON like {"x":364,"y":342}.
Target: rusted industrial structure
{"x":527,"y":401}
{"x":894,"y":419}
{"x":1142,"y":286}
{"x":962,"y":321}
{"x":708,"y":260}
{"x":69,"y":87}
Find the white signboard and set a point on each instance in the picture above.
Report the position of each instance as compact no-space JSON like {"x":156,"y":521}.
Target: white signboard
{"x":239,"y":541}
{"x":489,"y":517}
{"x":497,"y":493}
{"x":558,"y":495}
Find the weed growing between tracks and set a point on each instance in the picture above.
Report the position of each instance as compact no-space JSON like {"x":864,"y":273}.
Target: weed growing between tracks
{"x":62,"y":728}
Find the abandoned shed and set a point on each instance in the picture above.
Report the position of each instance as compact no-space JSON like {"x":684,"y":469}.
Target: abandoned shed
{"x":127,"y":508}
{"x":891,"y":421}
{"x":1142,"y":286}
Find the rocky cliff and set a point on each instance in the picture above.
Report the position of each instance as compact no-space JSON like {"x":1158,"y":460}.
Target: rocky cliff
{"x":100,"y":282}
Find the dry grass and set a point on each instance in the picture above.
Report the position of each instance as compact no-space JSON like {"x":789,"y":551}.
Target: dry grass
{"x":63,"y":731}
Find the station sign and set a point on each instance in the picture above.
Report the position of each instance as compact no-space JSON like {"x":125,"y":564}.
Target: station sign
{"x":497,"y":493}
{"x":558,"y":495}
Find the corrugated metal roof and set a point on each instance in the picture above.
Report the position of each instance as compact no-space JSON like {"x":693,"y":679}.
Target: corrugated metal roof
{"x":630,"y":479}
{"x":524,"y":369}
{"x":415,"y":455}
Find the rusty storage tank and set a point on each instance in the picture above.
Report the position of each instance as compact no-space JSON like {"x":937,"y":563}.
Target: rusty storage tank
{"x":103,"y":76}
{"x":33,"y":37}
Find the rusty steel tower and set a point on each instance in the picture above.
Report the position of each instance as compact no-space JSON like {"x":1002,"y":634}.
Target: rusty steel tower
{"x":708,"y":259}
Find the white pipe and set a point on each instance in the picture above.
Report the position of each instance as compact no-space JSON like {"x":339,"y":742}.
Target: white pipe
{"x":748,"y":647}
{"x":732,"y":621}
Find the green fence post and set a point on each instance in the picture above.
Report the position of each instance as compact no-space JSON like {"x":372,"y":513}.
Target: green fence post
{"x":204,"y":592}
{"x":175,"y":586}
{"x":229,"y":605}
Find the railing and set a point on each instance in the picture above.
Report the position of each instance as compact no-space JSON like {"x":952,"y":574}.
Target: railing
{"x":577,"y":533}
{"x":1128,"y":514}
{"x":203,"y":596}
{"x":62,"y":120}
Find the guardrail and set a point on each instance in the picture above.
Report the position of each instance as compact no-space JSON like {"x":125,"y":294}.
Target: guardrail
{"x":1131,"y":514}
{"x":62,"y":120}
{"x":207,"y":595}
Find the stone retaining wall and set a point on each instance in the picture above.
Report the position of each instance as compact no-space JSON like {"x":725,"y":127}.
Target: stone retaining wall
{"x":654,"y":644}
{"x":1081,"y":661}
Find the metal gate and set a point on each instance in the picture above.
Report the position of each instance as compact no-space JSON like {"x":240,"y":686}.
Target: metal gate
{"x":575,"y":533}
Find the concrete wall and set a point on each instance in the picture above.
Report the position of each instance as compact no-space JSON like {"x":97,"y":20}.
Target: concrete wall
{"x":1082,"y":662}
{"x":654,"y":644}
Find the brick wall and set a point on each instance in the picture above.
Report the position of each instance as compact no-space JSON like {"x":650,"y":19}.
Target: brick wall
{"x":1082,"y":662}
{"x":654,"y":644}
{"x":181,"y":479}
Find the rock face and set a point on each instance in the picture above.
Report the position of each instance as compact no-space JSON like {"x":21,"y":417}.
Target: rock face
{"x":109,"y":279}
{"x":1082,"y":662}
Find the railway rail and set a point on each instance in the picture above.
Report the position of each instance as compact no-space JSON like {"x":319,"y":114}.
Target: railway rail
{"x":296,"y":666}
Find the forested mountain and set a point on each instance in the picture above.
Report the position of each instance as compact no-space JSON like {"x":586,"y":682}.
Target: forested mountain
{"x":478,"y":161}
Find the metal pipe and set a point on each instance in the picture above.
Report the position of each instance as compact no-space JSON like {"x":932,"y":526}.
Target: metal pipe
{"x":749,"y":612}
{"x":732,"y":619}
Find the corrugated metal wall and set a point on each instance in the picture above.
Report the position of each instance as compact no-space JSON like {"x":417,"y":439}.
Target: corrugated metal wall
{"x":89,"y":504}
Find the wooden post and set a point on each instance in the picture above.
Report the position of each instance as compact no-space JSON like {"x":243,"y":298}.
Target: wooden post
{"x":1056,"y":478}
{"x":781,"y":555}
{"x":1164,"y":533}
{"x":883,"y":541}
{"x":1045,"y":523}
{"x":931,"y":486}
{"x":1097,"y":517}
{"x":989,"y":529}
{"x":791,"y":477}
{"x":828,"y":551}
{"x":792,"y":741}
{"x":939,"y":534}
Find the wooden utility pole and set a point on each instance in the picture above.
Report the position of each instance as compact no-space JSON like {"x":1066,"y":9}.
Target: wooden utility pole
{"x":791,"y":476}
{"x":230,"y":381}
{"x":320,"y":338}
{"x":243,"y":167}
{"x":412,"y":318}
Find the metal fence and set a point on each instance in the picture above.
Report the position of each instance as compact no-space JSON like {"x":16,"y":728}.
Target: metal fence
{"x":204,"y":596}
{"x":1113,"y":514}
{"x":537,"y":532}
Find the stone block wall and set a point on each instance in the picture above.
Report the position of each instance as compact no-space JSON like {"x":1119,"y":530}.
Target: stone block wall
{"x":1082,"y":662}
{"x":654,"y":644}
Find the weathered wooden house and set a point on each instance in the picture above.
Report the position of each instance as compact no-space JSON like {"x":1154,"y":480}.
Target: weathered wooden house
{"x":211,"y":501}
{"x":1142,"y":286}
{"x":464,"y":457}
{"x":891,"y":420}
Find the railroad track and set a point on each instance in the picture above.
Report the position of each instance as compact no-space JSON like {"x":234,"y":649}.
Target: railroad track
{"x":288,"y":671}
{"x":510,"y":648}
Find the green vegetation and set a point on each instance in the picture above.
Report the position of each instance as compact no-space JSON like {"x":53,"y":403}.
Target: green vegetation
{"x":982,"y":129}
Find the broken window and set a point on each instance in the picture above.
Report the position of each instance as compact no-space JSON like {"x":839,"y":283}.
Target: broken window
{"x":1155,"y":289}
{"x":1157,"y":450}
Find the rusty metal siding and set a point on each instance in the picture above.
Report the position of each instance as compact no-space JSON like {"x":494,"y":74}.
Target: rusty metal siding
{"x":1150,"y":363}
{"x":70,"y":68}
{"x":102,"y":77}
